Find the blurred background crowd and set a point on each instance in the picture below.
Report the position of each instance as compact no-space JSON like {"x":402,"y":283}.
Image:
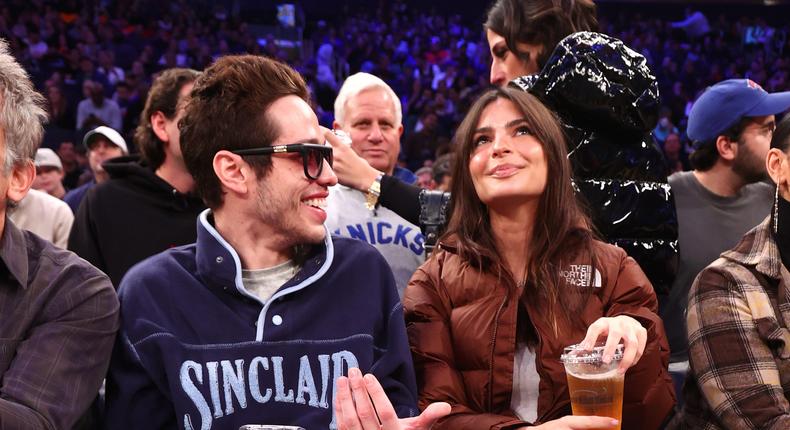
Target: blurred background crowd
{"x":95,"y":60}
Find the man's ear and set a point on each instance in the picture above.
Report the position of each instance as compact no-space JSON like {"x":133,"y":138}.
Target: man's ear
{"x":233,"y":173}
{"x":158,"y":124}
{"x":728,"y":149}
{"x":20,"y":180}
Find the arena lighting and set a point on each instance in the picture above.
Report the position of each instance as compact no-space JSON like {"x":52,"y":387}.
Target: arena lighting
{"x":286,"y":14}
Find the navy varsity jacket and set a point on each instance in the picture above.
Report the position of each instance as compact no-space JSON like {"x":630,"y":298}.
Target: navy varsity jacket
{"x":198,"y":351}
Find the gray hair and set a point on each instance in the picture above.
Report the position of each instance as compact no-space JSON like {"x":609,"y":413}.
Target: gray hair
{"x":22,"y":114}
{"x":357,"y":83}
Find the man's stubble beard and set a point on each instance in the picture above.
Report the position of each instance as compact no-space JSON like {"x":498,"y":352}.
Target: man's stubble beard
{"x":280,"y":221}
{"x":748,"y":166}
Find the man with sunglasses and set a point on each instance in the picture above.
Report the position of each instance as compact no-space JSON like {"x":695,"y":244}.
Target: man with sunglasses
{"x":260,"y":319}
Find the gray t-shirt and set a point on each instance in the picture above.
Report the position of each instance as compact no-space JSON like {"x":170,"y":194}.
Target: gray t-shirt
{"x":399,"y":241}
{"x":265,"y":282}
{"x":708,"y":224}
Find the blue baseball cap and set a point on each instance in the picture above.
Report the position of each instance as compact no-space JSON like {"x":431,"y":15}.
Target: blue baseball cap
{"x":724,"y":104}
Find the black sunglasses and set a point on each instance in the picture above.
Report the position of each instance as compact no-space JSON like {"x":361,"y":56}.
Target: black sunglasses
{"x":313,"y":155}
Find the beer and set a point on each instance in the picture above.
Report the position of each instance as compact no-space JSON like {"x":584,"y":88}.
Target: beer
{"x":595,"y":387}
{"x":599,"y":395}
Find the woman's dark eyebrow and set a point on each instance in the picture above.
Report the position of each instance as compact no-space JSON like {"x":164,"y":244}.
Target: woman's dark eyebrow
{"x":510,"y":124}
{"x":515,"y":122}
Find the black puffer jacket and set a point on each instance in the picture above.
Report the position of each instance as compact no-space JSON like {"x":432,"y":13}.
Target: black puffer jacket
{"x":607,"y":100}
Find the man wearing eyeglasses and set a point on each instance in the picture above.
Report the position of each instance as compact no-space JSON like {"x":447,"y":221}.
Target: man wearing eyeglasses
{"x":259,"y":321}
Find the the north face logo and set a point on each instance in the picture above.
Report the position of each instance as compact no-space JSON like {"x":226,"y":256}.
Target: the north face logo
{"x":581,"y":275}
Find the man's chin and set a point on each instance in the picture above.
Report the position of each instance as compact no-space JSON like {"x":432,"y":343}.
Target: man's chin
{"x":379,"y":163}
{"x":316,"y":237}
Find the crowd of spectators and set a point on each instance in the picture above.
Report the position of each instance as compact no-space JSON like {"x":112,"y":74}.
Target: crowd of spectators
{"x":695,"y":52}
{"x":104,"y":65}
{"x":95,"y":64}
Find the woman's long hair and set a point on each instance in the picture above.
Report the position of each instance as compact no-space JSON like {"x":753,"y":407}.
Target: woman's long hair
{"x":540,"y":22}
{"x":561,"y":231}
{"x":781,"y":137}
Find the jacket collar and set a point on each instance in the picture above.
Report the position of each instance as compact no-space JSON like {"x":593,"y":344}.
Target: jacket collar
{"x":758,"y":249}
{"x":220,"y":266}
{"x":13,"y":252}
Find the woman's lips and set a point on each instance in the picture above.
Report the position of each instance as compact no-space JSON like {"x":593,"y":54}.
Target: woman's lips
{"x":503,"y":170}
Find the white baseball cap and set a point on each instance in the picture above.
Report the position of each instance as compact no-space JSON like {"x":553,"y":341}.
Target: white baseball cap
{"x":46,"y":157}
{"x":111,"y":135}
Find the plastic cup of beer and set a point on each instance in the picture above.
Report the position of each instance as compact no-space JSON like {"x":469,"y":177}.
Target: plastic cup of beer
{"x":595,"y":388}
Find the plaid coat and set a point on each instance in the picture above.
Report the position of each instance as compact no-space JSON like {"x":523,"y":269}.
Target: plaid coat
{"x":739,"y":342}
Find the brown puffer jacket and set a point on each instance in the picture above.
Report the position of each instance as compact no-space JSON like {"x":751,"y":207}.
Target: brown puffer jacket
{"x":462,"y":331}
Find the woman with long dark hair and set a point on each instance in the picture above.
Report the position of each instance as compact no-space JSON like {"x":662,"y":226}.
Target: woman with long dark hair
{"x":517,"y":277}
{"x":606,"y":98}
{"x":523,"y":34}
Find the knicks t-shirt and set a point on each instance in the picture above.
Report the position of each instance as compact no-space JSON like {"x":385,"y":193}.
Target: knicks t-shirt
{"x":399,"y":241}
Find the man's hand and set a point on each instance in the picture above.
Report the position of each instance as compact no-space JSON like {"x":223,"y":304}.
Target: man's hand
{"x":361,"y":402}
{"x":352,"y":170}
{"x":625,"y":328}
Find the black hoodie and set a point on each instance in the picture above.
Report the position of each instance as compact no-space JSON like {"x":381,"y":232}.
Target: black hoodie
{"x":132,"y":216}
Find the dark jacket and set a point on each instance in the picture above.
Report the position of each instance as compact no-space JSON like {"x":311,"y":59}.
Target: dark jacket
{"x":59,"y":318}
{"x":607,"y":100}
{"x":196,"y":346}
{"x":132,"y":216}
{"x":74,"y":197}
{"x":462,"y":331}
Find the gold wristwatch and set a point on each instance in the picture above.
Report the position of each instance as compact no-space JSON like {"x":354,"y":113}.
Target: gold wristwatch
{"x":373,"y":193}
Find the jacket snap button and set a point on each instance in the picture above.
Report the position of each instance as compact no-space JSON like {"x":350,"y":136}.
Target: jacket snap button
{"x":277,"y":320}
{"x":219,"y":260}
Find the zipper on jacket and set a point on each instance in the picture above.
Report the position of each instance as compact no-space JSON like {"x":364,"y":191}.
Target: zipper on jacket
{"x":540,"y":369}
{"x":493,"y":352}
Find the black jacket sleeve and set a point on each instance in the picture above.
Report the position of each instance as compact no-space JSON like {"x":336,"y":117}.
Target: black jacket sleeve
{"x":83,"y":239}
{"x":401,"y":198}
